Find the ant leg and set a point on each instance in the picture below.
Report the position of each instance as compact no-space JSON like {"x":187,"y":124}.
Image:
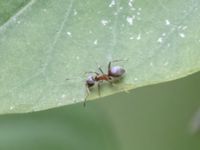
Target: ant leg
{"x":118,"y":87}
{"x":109,"y":66}
{"x":101,"y":70}
{"x":87,"y":94}
{"x":92,"y":72}
{"x":110,"y":82}
{"x":98,"y":86}
{"x":99,"y":67}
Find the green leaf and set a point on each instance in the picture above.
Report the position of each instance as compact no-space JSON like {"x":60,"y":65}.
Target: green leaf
{"x":44,"y":42}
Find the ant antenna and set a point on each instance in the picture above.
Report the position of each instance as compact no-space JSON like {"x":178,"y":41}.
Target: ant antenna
{"x":74,"y":78}
{"x":89,"y":72}
{"x":99,"y":67}
{"x":118,"y":60}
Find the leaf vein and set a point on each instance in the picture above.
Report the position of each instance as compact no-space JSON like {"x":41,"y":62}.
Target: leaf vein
{"x":57,"y":36}
{"x":14,"y":17}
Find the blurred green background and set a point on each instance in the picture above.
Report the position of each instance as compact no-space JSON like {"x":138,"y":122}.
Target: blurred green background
{"x":150,"y":118}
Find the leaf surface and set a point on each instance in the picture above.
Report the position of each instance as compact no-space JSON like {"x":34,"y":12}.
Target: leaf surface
{"x":44,"y":42}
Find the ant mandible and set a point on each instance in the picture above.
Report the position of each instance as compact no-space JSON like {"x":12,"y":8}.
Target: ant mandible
{"x":113,"y":73}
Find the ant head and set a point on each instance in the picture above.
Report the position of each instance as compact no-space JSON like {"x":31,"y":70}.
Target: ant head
{"x":90,"y":81}
{"x":116,"y":71}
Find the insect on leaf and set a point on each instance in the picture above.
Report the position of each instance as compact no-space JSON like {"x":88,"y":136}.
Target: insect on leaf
{"x":44,"y":42}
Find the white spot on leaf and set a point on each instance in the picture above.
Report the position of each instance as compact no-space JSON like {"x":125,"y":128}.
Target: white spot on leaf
{"x":151,"y":64}
{"x":138,"y":13}
{"x":167,"y":22}
{"x":90,"y":32}
{"x":95,"y":42}
{"x":182,"y":35}
{"x":75,"y":12}
{"x":184,"y":28}
{"x":163,"y":34}
{"x":63,"y":96}
{"x":69,"y":33}
{"x":138,"y":37}
{"x":112,"y":3}
{"x":130,"y":3}
{"x":12,"y":107}
{"x":160,"y":40}
{"x":104,"y":22}
{"x":131,"y":38}
{"x":59,"y":104}
{"x":115,"y":13}
{"x":44,"y":10}
{"x":130,"y":20}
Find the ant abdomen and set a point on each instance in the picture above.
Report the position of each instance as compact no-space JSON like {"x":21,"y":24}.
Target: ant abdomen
{"x":116,"y":71}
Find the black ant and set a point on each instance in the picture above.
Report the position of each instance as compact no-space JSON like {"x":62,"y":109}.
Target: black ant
{"x":113,"y":73}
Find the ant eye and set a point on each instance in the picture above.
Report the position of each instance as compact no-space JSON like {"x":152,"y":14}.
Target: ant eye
{"x":116,"y":71}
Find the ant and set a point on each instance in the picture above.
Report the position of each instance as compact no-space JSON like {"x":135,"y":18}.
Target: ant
{"x":113,"y":73}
